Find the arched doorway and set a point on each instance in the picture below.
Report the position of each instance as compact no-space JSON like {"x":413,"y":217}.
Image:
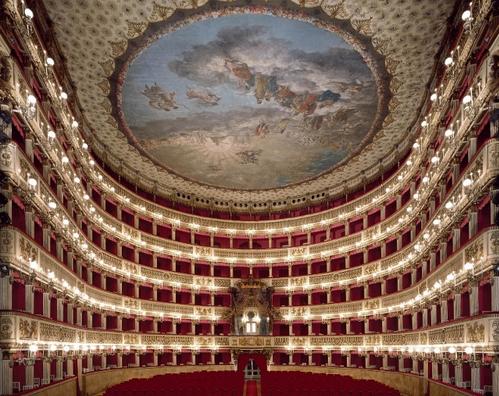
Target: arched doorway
{"x":252,"y":365}
{"x":252,"y":371}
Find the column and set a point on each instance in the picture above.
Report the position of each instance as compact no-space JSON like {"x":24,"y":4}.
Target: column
{"x":119,"y":360}
{"x":456,"y":239}
{"x":434,"y":370}
{"x":433,"y":314}
{"x":70,"y":313}
{"x":5,"y":376}
{"x":495,"y":375}
{"x":385,"y":361}
{"x":349,"y":359}
{"x":46,"y":371}
{"x":78,"y":316}
{"x":457,"y":305}
{"x":445,"y":372}
{"x":6,"y":293}
{"x":46,"y":304}
{"x":29,"y":375}
{"x":60,"y":309}
{"x":59,"y":369}
{"x":69,"y":366}
{"x":425,"y":317}
{"x":329,"y":358}
{"x":414,"y":320}
{"x":90,"y":362}
{"x":415,"y":366}
{"x":28,"y":298}
{"x":474,"y":299}
{"x":443,"y":311}
{"x":475,"y":377}
{"x":458,"y":374}
{"x":473,"y":223}
{"x":495,"y":293}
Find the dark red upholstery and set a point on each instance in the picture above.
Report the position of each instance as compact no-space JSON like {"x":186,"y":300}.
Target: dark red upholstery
{"x":292,"y":383}
{"x":227,"y":383}
{"x":203,"y":383}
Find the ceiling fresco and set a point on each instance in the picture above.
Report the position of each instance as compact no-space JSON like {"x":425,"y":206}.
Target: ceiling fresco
{"x":105,"y":42}
{"x":249,"y":101}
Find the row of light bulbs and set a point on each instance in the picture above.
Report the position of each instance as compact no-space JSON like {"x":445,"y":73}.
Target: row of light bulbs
{"x":468,"y":349}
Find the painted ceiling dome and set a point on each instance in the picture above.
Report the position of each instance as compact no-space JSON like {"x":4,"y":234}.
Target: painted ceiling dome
{"x":257,"y":104}
{"x":248,"y":100}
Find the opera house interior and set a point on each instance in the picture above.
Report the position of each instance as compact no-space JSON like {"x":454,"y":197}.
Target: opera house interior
{"x":276,"y":241}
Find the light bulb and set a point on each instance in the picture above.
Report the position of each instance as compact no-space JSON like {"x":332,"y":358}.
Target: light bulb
{"x":435,"y":159}
{"x":415,"y":145}
{"x":467,"y":99}
{"x":424,"y":124}
{"x":452,"y":349}
{"x":448,"y":133}
{"x":31,"y":99}
{"x":74,"y":124}
{"x":32,"y":182}
{"x":49,"y":61}
{"x":52,"y":205}
{"x":28,"y":13}
{"x":466,"y":15}
{"x":433,"y":97}
{"x":64,"y":95}
{"x":448,"y":61}
{"x":449,"y":205}
{"x":51,"y":134}
{"x":468,"y":350}
{"x":84,"y":146}
{"x":65,"y":160}
{"x":467,"y":182}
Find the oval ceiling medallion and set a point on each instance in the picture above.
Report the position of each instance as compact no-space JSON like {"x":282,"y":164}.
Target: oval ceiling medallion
{"x":248,"y":100}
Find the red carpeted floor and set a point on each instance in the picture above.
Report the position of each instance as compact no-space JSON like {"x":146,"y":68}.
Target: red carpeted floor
{"x":251,"y":388}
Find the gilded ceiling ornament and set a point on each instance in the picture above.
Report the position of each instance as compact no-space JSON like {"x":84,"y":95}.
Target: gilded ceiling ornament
{"x":336,"y":10}
{"x":118,"y":47}
{"x":107,"y":66}
{"x":160,"y":13}
{"x":363,"y":26}
{"x":135,"y":29}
